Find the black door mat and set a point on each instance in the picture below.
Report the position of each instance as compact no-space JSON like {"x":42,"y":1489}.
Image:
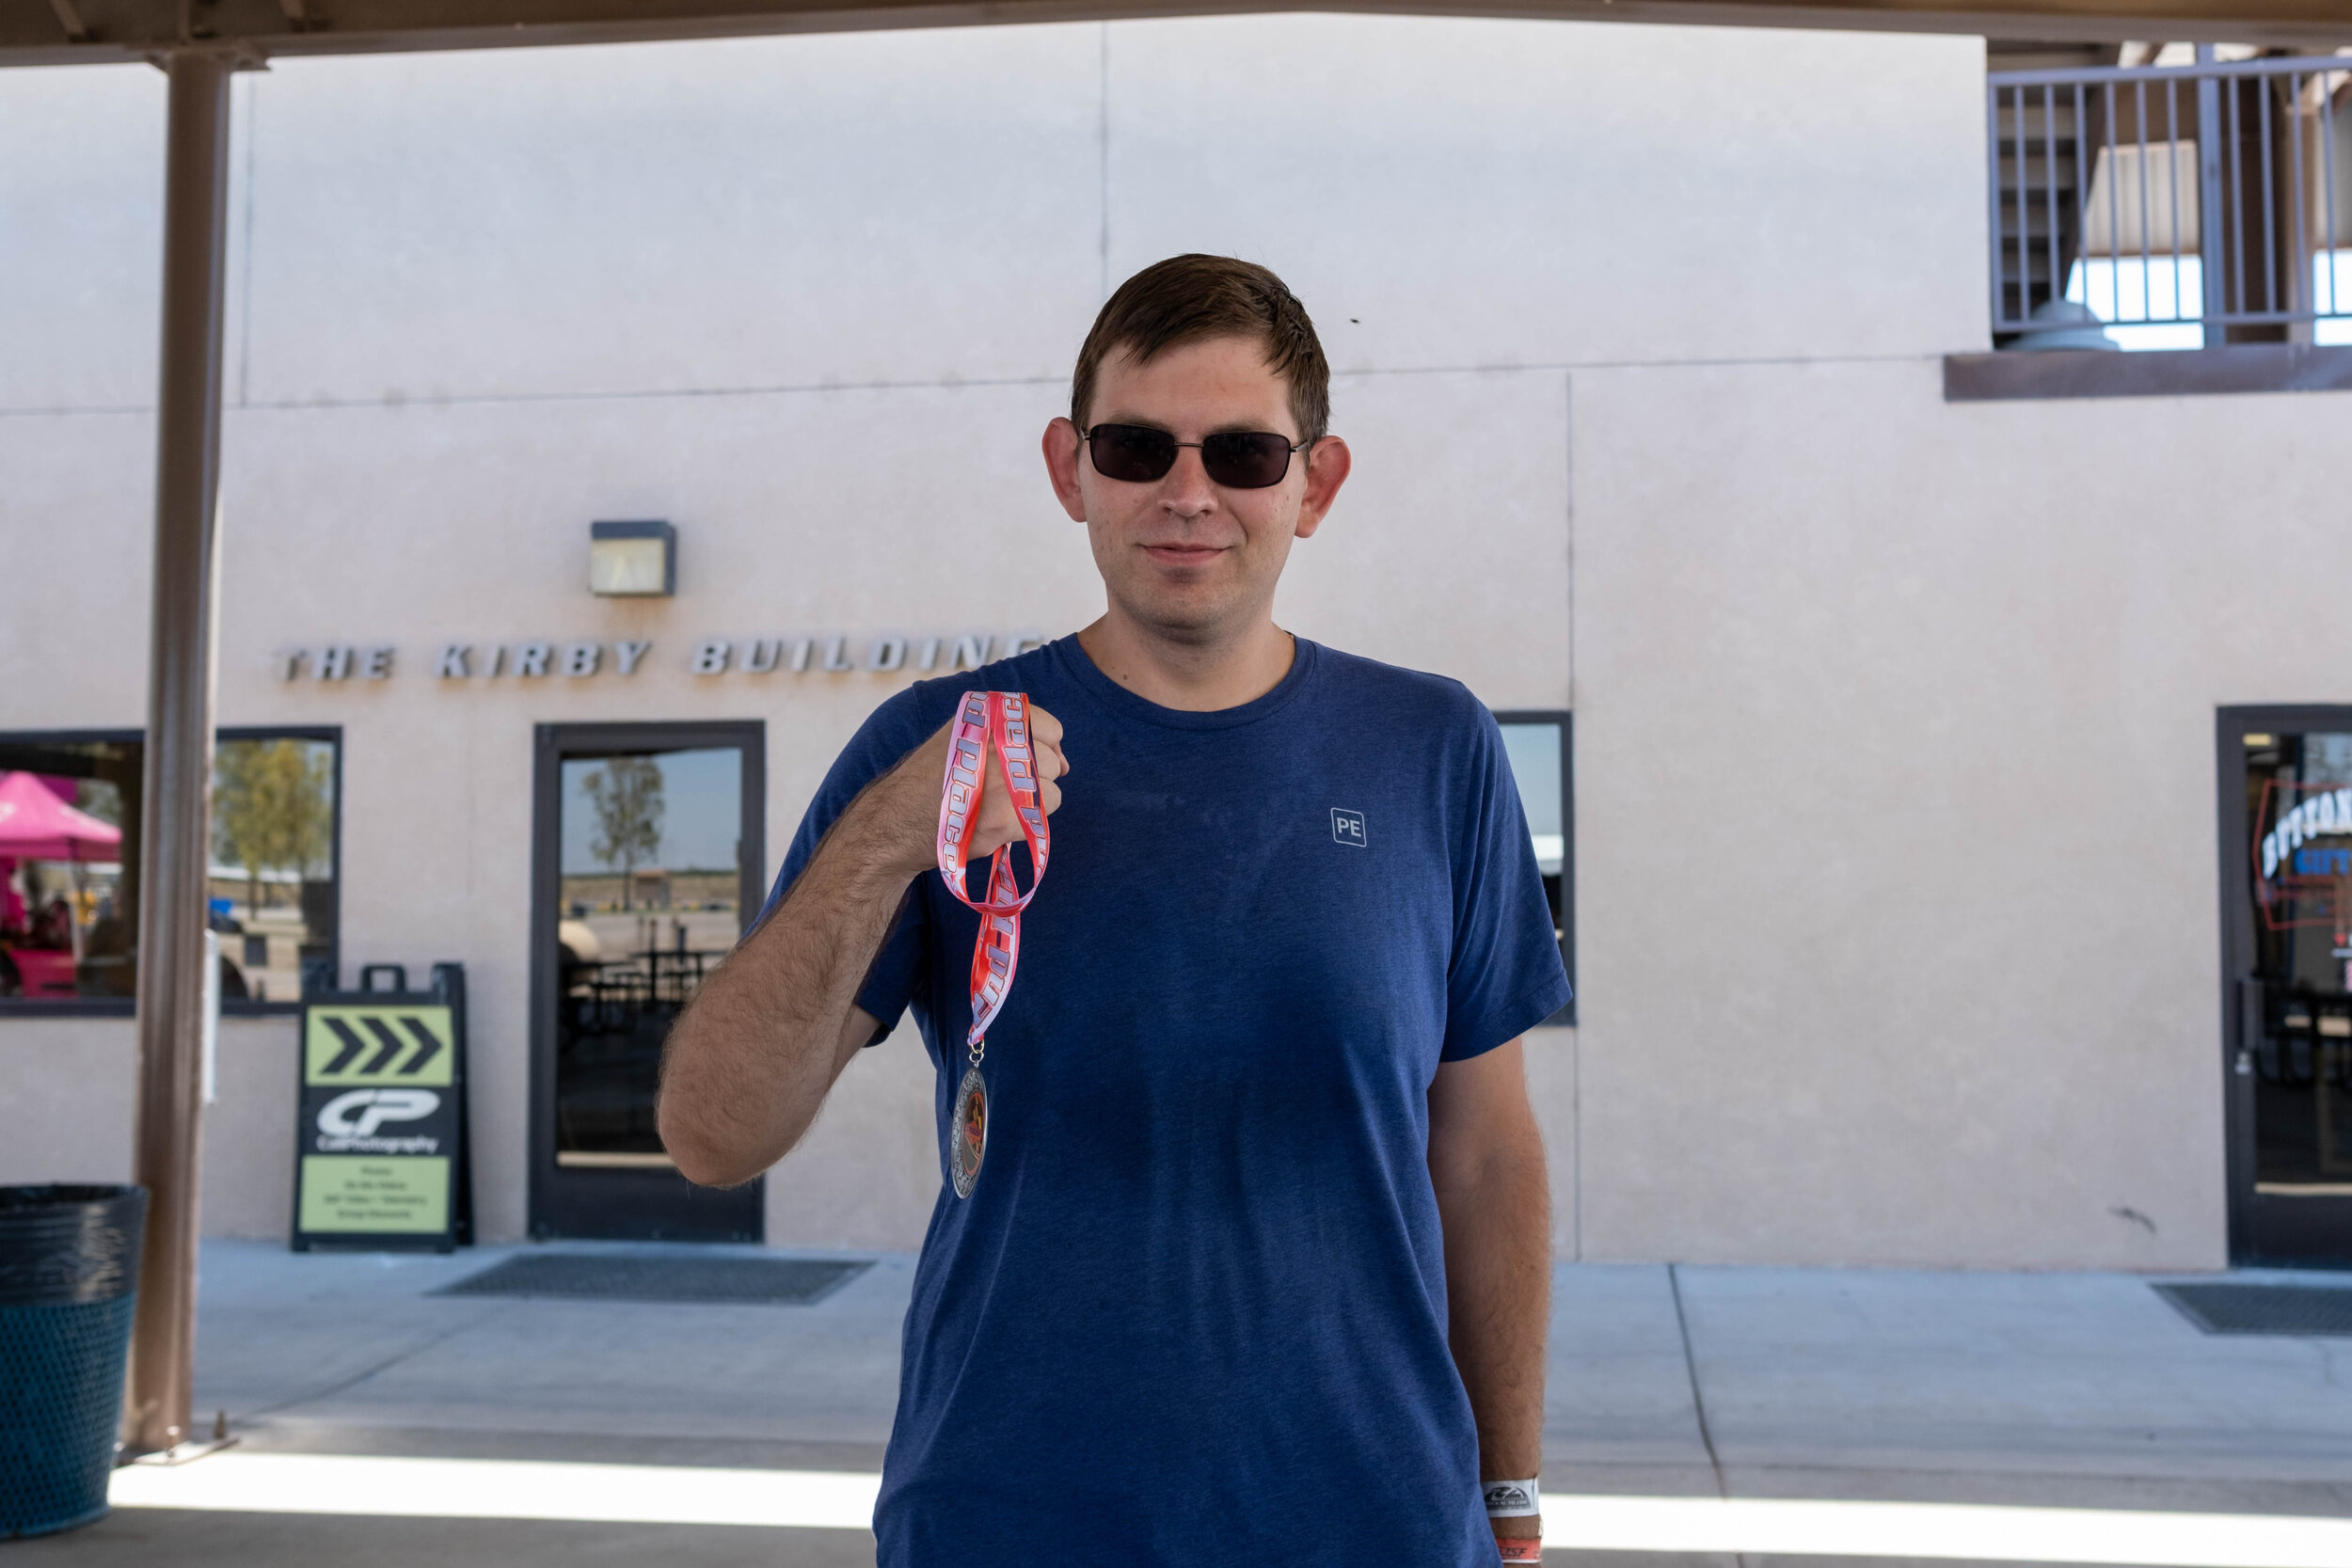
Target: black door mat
{"x":2317,"y":1310}
{"x":623,"y":1276}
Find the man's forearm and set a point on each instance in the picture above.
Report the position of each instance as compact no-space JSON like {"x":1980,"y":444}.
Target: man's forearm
{"x":1495,"y":1210}
{"x":750,"y":1060}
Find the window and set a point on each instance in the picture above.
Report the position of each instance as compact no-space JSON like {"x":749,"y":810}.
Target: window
{"x":69,"y":864}
{"x":68,"y":868}
{"x":276,"y":811}
{"x":1537,"y":744}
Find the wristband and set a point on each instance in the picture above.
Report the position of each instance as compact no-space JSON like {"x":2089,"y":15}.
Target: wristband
{"x":1511,"y":1500}
{"x":1514,"y":1550}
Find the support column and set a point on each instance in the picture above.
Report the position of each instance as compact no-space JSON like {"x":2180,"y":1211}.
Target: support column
{"x":176,"y":835}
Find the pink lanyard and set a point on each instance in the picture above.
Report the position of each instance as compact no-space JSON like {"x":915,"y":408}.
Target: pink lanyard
{"x":1001,"y":719}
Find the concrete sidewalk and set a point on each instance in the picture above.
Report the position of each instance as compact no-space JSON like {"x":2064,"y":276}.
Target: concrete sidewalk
{"x":2077,"y":1390}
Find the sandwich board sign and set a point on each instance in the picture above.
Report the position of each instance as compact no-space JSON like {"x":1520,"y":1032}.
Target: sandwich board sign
{"x":380,"y":1159}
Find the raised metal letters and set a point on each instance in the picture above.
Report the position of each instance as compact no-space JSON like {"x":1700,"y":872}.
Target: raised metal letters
{"x":887,"y":653}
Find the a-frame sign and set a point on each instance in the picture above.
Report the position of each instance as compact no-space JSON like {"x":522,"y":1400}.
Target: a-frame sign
{"x":381,"y":1161}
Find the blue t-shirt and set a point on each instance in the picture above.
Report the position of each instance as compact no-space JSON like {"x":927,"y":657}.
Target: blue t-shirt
{"x":1194,"y":1310}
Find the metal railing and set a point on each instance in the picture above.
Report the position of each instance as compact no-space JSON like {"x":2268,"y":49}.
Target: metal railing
{"x":2212,"y":201}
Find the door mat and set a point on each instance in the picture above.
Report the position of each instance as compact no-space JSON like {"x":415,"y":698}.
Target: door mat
{"x":622,"y":1277}
{"x":2302,"y":1309}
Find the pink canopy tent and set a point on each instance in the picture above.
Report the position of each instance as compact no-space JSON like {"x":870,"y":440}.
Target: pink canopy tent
{"x":35,"y":825}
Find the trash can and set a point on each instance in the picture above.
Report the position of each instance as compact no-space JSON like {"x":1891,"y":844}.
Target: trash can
{"x":69,"y":1282}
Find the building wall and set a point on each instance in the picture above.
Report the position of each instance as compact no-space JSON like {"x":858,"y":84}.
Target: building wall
{"x":70,"y":1104}
{"x":1911,"y":820}
{"x":1892,"y":718}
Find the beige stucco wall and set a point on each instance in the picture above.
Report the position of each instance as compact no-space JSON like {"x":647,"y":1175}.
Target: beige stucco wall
{"x":1897,"y":852}
{"x":68,"y":1096}
{"x":69,"y":1100}
{"x":1894,"y":831}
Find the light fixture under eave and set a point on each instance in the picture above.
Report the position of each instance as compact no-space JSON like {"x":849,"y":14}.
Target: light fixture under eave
{"x":635,"y":560}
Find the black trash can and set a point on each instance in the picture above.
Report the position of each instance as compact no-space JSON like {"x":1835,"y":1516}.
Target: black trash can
{"x":69,"y":1282}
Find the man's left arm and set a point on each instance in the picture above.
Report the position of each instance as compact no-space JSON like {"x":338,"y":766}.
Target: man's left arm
{"x":1487,"y":1163}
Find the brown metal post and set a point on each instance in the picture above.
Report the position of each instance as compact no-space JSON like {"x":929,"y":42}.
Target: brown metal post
{"x":176,"y":836}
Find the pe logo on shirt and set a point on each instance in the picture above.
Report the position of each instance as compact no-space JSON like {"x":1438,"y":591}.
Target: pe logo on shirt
{"x":1347,"y":827}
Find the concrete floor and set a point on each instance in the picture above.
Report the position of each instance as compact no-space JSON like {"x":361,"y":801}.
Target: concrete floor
{"x":2064,"y":1389}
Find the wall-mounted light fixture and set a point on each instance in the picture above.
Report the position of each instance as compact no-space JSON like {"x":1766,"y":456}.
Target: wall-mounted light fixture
{"x":632,"y":560}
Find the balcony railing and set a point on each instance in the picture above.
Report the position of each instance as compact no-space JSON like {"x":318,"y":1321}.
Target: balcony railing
{"x":2182,"y":206}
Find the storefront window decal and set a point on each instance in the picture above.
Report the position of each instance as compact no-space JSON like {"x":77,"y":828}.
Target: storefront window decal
{"x":2304,"y":860}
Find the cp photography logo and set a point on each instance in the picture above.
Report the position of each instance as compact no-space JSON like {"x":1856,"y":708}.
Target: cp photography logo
{"x":554,"y":659}
{"x":347,"y":1123}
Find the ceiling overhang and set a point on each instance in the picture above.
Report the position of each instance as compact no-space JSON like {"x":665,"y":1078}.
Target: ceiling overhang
{"x":55,"y":32}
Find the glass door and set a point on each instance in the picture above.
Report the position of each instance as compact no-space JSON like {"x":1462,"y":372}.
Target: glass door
{"x":2287,"y":916}
{"x":648,"y":860}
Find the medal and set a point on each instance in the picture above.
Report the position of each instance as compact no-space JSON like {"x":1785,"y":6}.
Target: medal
{"x":999,"y":720}
{"x":967,"y":1136}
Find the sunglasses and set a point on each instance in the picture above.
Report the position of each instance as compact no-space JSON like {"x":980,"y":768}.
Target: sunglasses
{"x":1237,"y":459}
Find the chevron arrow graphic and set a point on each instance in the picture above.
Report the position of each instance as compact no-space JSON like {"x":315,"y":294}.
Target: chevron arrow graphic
{"x":393,"y":1046}
{"x":428,"y":1044}
{"x":352,"y":1045}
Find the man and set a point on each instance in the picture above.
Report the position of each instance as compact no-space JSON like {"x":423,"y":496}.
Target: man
{"x":1255,"y":1268}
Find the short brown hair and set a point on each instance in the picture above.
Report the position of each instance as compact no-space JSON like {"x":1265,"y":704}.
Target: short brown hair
{"x":1187,"y":299}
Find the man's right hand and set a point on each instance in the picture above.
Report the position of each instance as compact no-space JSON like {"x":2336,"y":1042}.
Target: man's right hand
{"x":905,"y":805}
{"x":752,"y":1058}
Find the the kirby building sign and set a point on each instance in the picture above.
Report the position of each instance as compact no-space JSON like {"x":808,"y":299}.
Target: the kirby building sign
{"x":712,"y":655}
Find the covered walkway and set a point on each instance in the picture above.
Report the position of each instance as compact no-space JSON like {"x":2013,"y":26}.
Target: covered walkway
{"x":589,"y":1430}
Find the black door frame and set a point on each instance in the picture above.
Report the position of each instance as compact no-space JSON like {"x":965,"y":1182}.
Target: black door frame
{"x":1565,"y":718}
{"x":2263,"y":1229}
{"x":628,"y":1204}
